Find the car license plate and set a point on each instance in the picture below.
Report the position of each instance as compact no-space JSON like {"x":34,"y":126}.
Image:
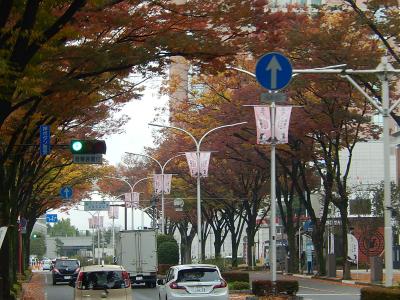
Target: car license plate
{"x":199,"y":289}
{"x":67,"y":277}
{"x":139,"y":278}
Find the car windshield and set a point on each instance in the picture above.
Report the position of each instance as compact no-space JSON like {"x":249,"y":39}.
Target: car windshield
{"x":67,"y":264}
{"x":198,"y":274}
{"x":102,"y":280}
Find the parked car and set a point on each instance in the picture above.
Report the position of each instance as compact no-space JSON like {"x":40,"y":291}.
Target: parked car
{"x":64,"y":270}
{"x":197,"y":281}
{"x":102,"y":281}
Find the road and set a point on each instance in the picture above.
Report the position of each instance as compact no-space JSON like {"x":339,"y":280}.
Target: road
{"x":310,"y":289}
{"x":315,"y":289}
{"x":65,"y":292}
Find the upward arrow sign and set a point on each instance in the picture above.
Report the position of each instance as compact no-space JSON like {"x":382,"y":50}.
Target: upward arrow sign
{"x":274,"y":66}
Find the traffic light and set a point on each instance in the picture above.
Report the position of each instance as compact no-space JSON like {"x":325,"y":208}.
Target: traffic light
{"x":88,"y":147}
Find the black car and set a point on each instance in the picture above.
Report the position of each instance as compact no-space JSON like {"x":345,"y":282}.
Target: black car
{"x":65,"y":270}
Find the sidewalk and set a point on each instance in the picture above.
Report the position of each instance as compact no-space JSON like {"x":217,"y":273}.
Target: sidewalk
{"x":34,"y":289}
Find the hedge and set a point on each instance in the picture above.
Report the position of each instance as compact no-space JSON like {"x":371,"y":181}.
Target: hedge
{"x":236,"y":276}
{"x":262,"y":287}
{"x":239,"y":285}
{"x":380,"y":293}
{"x":290,"y":287}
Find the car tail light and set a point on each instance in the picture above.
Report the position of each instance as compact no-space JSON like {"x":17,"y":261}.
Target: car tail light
{"x":55,"y":270}
{"x":174,"y":285}
{"x":79,"y":281}
{"x":77,"y":271}
{"x":222,"y":284}
{"x":126,"y":278}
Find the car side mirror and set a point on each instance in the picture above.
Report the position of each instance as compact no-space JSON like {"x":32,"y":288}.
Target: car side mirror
{"x":160,"y":281}
{"x":71,"y":283}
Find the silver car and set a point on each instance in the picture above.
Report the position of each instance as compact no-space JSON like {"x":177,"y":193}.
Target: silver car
{"x":197,"y":281}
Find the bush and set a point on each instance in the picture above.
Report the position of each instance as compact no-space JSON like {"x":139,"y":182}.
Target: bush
{"x":168,"y":253}
{"x":239,"y":285}
{"x":262,"y":287}
{"x":236,"y":276}
{"x":290,"y":287}
{"x":219,"y":262}
{"x":380,"y":293}
{"x":163,"y":268}
{"x":162,"y":238}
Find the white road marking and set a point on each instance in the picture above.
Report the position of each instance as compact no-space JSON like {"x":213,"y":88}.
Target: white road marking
{"x":336,"y":294}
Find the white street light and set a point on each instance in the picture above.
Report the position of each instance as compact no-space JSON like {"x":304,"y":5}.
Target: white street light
{"x":198,"y":144}
{"x":162,"y":167}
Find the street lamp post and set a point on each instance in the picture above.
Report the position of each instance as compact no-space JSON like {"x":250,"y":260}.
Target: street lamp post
{"x":126,"y":210}
{"x":198,"y":144}
{"x":162,"y":167}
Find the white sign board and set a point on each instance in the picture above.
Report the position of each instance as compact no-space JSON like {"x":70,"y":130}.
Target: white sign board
{"x":352,"y":250}
{"x":3,"y":231}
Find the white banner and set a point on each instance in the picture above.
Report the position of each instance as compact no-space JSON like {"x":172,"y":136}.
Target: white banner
{"x":263,"y":124}
{"x":3,"y":231}
{"x":157,"y":183}
{"x":167,"y":183}
{"x":204,"y":163}
{"x":352,"y":248}
{"x":128,"y":200}
{"x":94,"y":222}
{"x":135,"y":199}
{"x":113,"y":212}
{"x":191,"y":158}
{"x":282,"y":119}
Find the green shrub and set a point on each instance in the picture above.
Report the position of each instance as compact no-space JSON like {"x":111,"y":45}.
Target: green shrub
{"x":168,"y":253}
{"x":239,"y":285}
{"x":236,"y":276}
{"x":162,"y":238}
{"x":219,"y":262}
{"x":163,"y":268}
{"x":290,"y":287}
{"x":380,"y":293}
{"x":261,"y":287}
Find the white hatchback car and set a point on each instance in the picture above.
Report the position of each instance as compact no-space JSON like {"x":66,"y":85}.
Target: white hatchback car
{"x":102,"y":282}
{"x":197,"y":281}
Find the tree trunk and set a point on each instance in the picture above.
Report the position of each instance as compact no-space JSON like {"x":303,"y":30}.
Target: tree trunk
{"x":217,"y":244}
{"x":318,"y":241}
{"x":293,"y":250}
{"x":235,"y":262}
{"x":345,"y":246}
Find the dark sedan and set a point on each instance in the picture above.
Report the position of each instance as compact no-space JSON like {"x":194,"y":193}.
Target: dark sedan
{"x":65,"y":270}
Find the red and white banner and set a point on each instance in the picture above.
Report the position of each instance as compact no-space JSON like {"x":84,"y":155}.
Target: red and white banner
{"x":131,"y":199}
{"x":204,"y":163}
{"x":135,"y":199}
{"x":282,"y":119}
{"x":96,"y":222}
{"x":263,"y":124}
{"x":113,"y":212}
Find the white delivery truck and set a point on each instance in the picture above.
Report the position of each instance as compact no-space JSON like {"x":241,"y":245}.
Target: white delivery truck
{"x":136,"y":251}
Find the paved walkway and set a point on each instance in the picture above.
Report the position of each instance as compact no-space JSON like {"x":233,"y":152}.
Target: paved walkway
{"x":34,"y":289}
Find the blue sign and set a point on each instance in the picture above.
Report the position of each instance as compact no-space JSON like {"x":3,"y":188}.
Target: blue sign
{"x":51,"y":218}
{"x":274,"y":71}
{"x":45,"y":146}
{"x":66,"y":192}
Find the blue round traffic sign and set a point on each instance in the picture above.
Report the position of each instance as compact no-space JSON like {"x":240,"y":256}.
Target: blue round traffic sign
{"x":274,"y":71}
{"x":66,"y":192}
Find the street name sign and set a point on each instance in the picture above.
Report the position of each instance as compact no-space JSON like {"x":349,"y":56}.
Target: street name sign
{"x":44,"y":146}
{"x":66,"y":192}
{"x":272,"y":97}
{"x":274,"y":71}
{"x":51,"y":218}
{"x":96,"y":205}
{"x":96,"y":159}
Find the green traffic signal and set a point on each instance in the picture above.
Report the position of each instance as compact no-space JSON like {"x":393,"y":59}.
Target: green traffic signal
{"x":88,"y":147}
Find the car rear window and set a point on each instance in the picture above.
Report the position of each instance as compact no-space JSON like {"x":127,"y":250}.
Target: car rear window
{"x":102,"y":280}
{"x":67,"y":264}
{"x":198,"y":274}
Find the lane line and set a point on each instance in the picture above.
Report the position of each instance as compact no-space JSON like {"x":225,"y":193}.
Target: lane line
{"x":301,"y":294}
{"x":315,"y":289}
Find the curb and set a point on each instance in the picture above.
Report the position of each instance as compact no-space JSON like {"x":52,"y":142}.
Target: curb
{"x":302,"y":276}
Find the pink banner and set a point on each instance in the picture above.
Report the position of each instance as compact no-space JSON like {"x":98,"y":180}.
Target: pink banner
{"x":282,"y":119}
{"x":204,"y":162}
{"x":128,"y":200}
{"x":135,"y":199}
{"x":191,"y":158}
{"x":113,"y":212}
{"x":167,"y":183}
{"x":263,"y":124}
{"x":157,"y":183}
{"x":91,"y":223}
{"x":97,"y":221}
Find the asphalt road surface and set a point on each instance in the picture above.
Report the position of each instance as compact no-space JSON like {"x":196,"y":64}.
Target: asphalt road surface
{"x":63,"y":291}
